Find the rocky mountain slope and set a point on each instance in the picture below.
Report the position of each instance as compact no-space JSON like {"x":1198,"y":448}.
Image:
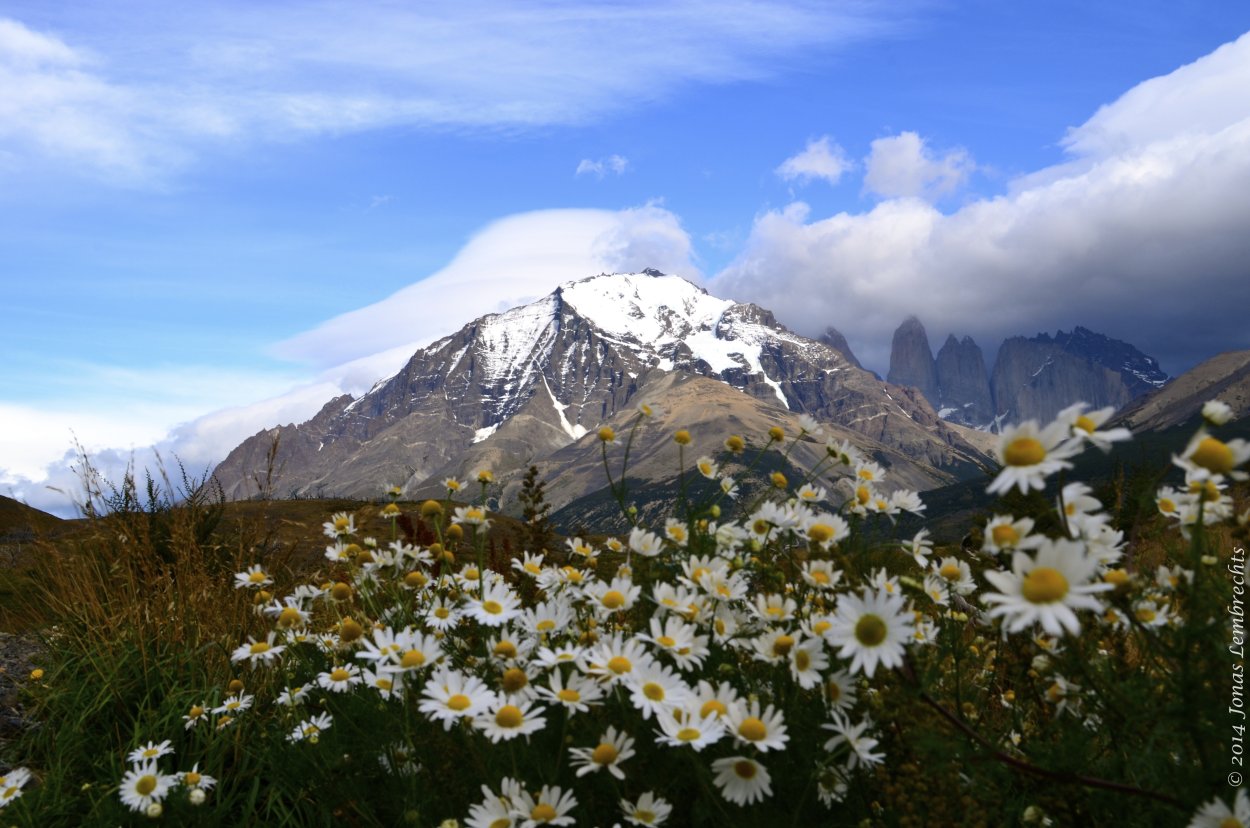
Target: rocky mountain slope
{"x":521,"y":386}
{"x":1225,"y":377}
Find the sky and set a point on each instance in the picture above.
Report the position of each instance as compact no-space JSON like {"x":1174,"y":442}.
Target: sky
{"x":214,"y":219}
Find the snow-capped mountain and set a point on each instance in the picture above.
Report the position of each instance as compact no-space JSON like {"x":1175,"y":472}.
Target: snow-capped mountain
{"x":516,"y":387}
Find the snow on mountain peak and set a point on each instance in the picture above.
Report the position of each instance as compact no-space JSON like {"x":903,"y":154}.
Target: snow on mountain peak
{"x":649,"y":308}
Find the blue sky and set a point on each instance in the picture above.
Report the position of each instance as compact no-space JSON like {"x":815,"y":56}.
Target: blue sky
{"x":190,"y":201}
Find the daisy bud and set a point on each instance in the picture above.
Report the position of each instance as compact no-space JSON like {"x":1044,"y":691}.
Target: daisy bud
{"x":776,"y":434}
{"x":155,"y":810}
{"x":430,"y":508}
{"x":196,"y":796}
{"x":607,"y":434}
{"x":681,"y":437}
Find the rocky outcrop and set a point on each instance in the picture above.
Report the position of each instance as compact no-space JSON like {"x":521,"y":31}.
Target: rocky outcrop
{"x":911,"y":360}
{"x":835,"y":340}
{"x":963,"y":383}
{"x":1035,"y":378}
{"x":510,"y":389}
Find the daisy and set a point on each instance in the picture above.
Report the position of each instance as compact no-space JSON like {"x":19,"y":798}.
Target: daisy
{"x":549,"y":617}
{"x":503,"y":720}
{"x":871,"y":629}
{"x":1084,"y":425}
{"x":450,"y":696}
{"x":679,"y":640}
{"x":936,"y":589}
{"x":1217,"y":412}
{"x":826,"y":530}
{"x":766,"y":729}
{"x":292,"y":696}
{"x":290,"y":614}
{"x":442,"y":615}
{"x":869,"y":472}
{"x":340,"y":679}
{"x":684,"y":726}
{"x":150,"y":751}
{"x":613,"y":749}
{"x":11,"y":785}
{"x":616,"y":658}
{"x":774,"y":608}
{"x":550,"y":806}
{"x":257,"y":652}
{"x":576,"y":694}
{"x":645,"y":543}
{"x":497,"y":606}
{"x":742,"y":780}
{"x":807,"y":662}
{"x":1215,"y":814}
{"x":194,"y":716}
{"x":471,"y":516}
{"x":853,"y":737}
{"x":388,"y":685}
{"x":340,"y":523}
{"x":655,"y":687}
{"x":254,"y":577}
{"x":607,"y":598}
{"x":843,"y":452}
{"x":905,"y":500}
{"x":416,"y":651}
{"x":234,"y":705}
{"x":529,"y":564}
{"x":494,"y":811}
{"x":920,"y":548}
{"x":310,"y":729}
{"x":1030,"y":454}
{"x":1215,"y":455}
{"x":957,"y":575}
{"x":144,"y":785}
{"x":648,"y":810}
{"x":1004,"y":533}
{"x":840,"y":692}
{"x":549,"y":657}
{"x":729,"y":487}
{"x":707,"y":467}
{"x":1047,"y":588}
{"x":677,"y":532}
{"x":509,"y":647}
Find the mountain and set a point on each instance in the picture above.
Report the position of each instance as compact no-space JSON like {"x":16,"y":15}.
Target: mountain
{"x":1225,"y":377}
{"x":835,"y":340}
{"x":1037,"y":377}
{"x":522,"y":386}
{"x":963,"y":383}
{"x":911,"y":360}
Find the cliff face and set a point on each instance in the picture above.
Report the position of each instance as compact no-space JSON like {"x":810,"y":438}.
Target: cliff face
{"x":1038,"y":377}
{"x":963,"y":383}
{"x":911,"y":360}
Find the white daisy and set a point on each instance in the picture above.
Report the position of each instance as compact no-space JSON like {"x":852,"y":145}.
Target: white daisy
{"x":645,"y":543}
{"x":144,"y":785}
{"x":871,"y":629}
{"x":340,"y":679}
{"x":254,"y":577}
{"x":550,"y":806}
{"x":765,"y":729}
{"x":258,"y":652}
{"x":613,"y":749}
{"x":687,"y":727}
{"x":655,"y":687}
{"x":503,"y":720}
{"x":450,"y":696}
{"x":234,"y":705}
{"x":1084,"y":425}
{"x":1030,"y":454}
{"x":853,"y":737}
{"x":742,"y":780}
{"x":495,"y":607}
{"x":1003,"y":532}
{"x":11,"y":785}
{"x":575,"y":694}
{"x":310,"y":729}
{"x":648,"y":810}
{"x":150,"y":751}
{"x":1046,"y":588}
{"x":1216,"y":814}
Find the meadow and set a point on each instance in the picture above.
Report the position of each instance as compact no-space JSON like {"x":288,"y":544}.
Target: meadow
{"x":759,"y":657}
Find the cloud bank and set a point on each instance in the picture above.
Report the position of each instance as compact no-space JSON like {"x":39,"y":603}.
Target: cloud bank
{"x":821,"y":160}
{"x":1140,"y":234}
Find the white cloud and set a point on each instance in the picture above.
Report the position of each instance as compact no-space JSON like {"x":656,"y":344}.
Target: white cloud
{"x":822,"y":159}
{"x":1141,"y":236}
{"x":902,"y":166}
{"x":512,"y":261}
{"x":247,"y":71}
{"x":616,"y":164}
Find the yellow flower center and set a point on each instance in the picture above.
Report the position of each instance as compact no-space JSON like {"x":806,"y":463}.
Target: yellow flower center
{"x":502,"y":822}
{"x":735,"y":443}
{"x":612,"y":599}
{"x":605,"y":754}
{"x":1116,"y":577}
{"x":412,"y":658}
{"x":745,"y":769}
{"x":493,"y":607}
{"x":653,"y":691}
{"x":546,"y":625}
{"x":802,"y":660}
{"x":258,"y":648}
{"x":383,"y":683}
{"x":1230,"y":822}
{"x":606,"y":434}
{"x":471,"y":573}
{"x":644,"y":816}
{"x":864,"y":474}
{"x":340,"y":591}
{"x":821,"y":627}
{"x":339,"y":674}
{"x":1024,"y":451}
{"x":192,"y":778}
{"x":863,"y":494}
{"x":1213,"y":455}
{"x":713,"y":706}
{"x":752,"y":729}
{"x":949,"y":571}
{"x":514,"y":679}
{"x":505,"y":649}
{"x":196,"y":711}
{"x":687,"y":734}
{"x":819,"y":533}
{"x":458,"y":701}
{"x":870,"y":630}
{"x":1085,"y":424}
{"x":146,"y":784}
{"x":1044,"y":585}
{"x":779,"y":480}
{"x":1005,"y":535}
{"x":782,"y":644}
{"x":509,"y":716}
{"x":666,"y":641}
{"x":543,"y":813}
{"x":256,"y":577}
{"x":289,"y":617}
{"x":834,"y":691}
{"x":442,"y":612}
{"x":620,"y":665}
{"x":569,"y":696}
{"x":1167,"y":506}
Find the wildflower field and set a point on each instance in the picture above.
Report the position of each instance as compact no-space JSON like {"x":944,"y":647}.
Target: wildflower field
{"x":760,"y":657}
